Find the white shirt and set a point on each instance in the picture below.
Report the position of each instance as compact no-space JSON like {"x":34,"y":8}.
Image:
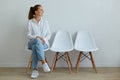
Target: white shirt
{"x":38,"y":29}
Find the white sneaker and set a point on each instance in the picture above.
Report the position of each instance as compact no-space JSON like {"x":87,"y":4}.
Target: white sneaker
{"x":34,"y":74}
{"x":46,"y":67}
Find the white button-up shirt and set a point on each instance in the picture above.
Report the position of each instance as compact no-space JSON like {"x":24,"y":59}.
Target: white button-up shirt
{"x":39,"y":29}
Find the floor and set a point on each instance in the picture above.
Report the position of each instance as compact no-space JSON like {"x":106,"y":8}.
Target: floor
{"x":62,"y":74}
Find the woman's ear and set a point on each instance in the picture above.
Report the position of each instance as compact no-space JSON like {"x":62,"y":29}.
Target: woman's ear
{"x":35,"y":12}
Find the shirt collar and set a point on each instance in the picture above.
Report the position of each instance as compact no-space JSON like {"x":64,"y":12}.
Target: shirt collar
{"x":36,"y":21}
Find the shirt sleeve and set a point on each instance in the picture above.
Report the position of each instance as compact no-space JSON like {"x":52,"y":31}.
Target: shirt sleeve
{"x":47,"y":32}
{"x":29,"y":35}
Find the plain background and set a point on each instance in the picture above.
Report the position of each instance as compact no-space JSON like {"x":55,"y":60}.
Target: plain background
{"x":101,"y":17}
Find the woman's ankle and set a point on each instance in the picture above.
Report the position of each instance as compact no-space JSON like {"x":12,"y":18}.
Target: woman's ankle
{"x":43,"y":61}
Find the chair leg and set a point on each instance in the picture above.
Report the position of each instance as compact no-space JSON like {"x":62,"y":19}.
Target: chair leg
{"x":29,"y":64}
{"x":69,"y":62}
{"x":78,"y":61}
{"x":54,"y":61}
{"x":46,"y":60}
{"x":93,"y":63}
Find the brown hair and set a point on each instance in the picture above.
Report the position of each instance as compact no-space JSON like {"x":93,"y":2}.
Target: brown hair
{"x":32,"y":11}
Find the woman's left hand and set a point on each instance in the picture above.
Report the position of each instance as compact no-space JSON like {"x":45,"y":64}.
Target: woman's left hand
{"x":42,"y":39}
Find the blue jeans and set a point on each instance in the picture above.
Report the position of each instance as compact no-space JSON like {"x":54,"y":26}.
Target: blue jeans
{"x":37,"y":48}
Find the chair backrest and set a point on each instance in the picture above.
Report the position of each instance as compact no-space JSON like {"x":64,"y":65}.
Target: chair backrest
{"x":85,"y":41}
{"x":62,"y":42}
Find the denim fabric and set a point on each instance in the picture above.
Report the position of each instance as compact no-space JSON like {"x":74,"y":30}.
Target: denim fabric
{"x":37,"y":48}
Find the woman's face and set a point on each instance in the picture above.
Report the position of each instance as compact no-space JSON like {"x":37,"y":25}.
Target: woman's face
{"x":39,"y":11}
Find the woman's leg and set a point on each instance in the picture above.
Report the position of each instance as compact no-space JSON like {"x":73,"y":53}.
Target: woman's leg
{"x":39,"y":47}
{"x":34,"y":58}
{"x":40,"y":50}
{"x":41,"y":55}
{"x":31,"y":45}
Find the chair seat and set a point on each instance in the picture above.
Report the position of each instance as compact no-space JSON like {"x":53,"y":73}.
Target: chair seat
{"x":86,"y":50}
{"x":61,"y":49}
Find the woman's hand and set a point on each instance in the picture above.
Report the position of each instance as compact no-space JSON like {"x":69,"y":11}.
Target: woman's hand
{"x":41,"y":38}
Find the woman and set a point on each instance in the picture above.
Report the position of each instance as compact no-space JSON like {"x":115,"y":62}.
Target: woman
{"x":38,"y":34}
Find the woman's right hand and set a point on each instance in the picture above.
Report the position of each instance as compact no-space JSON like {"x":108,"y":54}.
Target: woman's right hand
{"x":41,"y":38}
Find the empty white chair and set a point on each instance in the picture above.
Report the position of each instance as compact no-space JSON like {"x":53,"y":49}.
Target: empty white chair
{"x":85,"y":43}
{"x":62,"y":44}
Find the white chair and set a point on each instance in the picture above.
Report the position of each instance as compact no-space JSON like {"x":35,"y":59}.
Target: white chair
{"x":62,"y":44}
{"x":85,"y":43}
{"x":29,"y":66}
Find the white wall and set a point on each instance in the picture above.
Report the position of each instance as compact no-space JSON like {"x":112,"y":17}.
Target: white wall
{"x":98,"y":16}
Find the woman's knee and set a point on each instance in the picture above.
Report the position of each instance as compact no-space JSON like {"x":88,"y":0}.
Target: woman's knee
{"x":35,"y":40}
{"x":38,"y":41}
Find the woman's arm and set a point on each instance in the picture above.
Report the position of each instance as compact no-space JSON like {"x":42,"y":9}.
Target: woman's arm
{"x":30,"y":35}
{"x":47,"y":31}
